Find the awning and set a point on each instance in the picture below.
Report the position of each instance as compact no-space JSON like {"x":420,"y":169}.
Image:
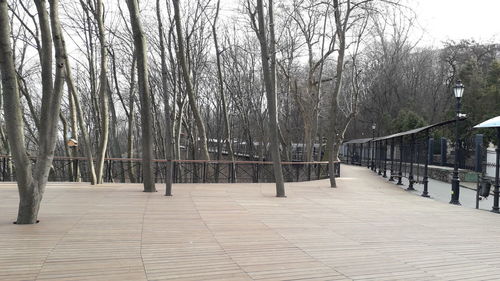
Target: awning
{"x":491,"y":123}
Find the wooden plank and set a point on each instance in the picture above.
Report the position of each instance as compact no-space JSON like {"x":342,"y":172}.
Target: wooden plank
{"x":366,"y":229}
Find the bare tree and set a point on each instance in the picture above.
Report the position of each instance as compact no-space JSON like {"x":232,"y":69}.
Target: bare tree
{"x":169,"y":138}
{"x":31,"y":181}
{"x":145,"y":98}
{"x":181,"y":56}
{"x":268,"y":57}
{"x":227,"y":128}
{"x":103,"y":87}
{"x":346,"y":15}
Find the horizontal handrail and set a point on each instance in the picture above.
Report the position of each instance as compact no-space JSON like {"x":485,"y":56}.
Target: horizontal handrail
{"x":185,"y":160}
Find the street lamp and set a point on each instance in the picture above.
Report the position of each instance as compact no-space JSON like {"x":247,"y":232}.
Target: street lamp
{"x":374,"y":125}
{"x":458,"y":91}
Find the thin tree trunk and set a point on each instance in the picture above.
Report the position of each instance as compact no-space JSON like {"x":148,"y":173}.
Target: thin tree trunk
{"x":87,"y":147}
{"x":181,"y":56}
{"x":227,"y":128}
{"x":269,"y":71}
{"x":333,"y":139}
{"x":145,"y":98}
{"x":103,"y":95}
{"x":169,"y":140}
{"x":67,"y":150}
{"x":74,"y":126}
{"x":131,"y":124}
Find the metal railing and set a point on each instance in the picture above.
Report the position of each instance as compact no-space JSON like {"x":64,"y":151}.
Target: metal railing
{"x":129,"y":170}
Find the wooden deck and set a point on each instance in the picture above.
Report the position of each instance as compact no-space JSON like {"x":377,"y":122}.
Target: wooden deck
{"x":367,"y":229}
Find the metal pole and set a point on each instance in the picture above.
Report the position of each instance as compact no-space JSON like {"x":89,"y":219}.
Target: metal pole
{"x":391,"y":178}
{"x":373,"y":149}
{"x":412,"y":154}
{"x":347,"y":154}
{"x":369,"y":154}
{"x":204,"y":179}
{"x":426,"y":178}
{"x":361,"y":156}
{"x":478,"y":186}
{"x":496,"y":192}
{"x":455,"y":181}
{"x":400,"y":172}
{"x":385,"y":159}
{"x":379,"y":158}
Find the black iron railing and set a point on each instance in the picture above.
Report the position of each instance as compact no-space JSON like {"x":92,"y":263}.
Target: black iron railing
{"x":129,"y":170}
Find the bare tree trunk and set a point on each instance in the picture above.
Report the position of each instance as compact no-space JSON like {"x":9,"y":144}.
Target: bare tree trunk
{"x":31,"y":183}
{"x":131,"y":124}
{"x":67,"y":149}
{"x":169,"y":139}
{"x":74,"y":126}
{"x":269,"y":71}
{"x":189,"y":85}
{"x":227,"y":128}
{"x":144,"y":93}
{"x":87,"y":147}
{"x":333,"y":138}
{"x":103,"y":95}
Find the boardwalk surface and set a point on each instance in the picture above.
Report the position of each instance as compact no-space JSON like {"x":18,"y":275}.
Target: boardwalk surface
{"x":366,"y":229}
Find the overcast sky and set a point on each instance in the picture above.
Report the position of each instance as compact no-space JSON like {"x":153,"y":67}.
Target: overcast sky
{"x":458,"y":19}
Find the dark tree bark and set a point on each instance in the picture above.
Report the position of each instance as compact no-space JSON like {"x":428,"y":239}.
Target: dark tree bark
{"x":268,"y":57}
{"x":227,"y":128}
{"x":169,"y":139}
{"x":181,"y":56}
{"x":145,"y":98}
{"x":31,"y":182}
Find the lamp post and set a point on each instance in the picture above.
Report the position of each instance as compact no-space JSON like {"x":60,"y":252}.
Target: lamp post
{"x":458,"y":91}
{"x":374,"y":126}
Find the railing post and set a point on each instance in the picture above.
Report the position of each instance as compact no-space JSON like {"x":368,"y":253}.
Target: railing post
{"x":400,"y":172}
{"x":429,"y":154}
{"x":195,"y":172}
{"x":174,"y":172}
{"x":4,"y":169}
{"x":257,"y":166}
{"x":385,"y":159}
{"x":412,"y":154}
{"x":308,"y":171}
{"x":478,"y":144}
{"x":233,"y":172}
{"x":204,"y":172}
{"x":379,"y":158}
{"x":391,"y":178}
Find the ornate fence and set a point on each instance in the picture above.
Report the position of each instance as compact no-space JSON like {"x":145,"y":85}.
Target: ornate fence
{"x":124,"y":170}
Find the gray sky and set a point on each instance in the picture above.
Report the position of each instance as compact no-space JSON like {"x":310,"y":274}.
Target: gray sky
{"x":442,"y":20}
{"x":458,"y":19}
